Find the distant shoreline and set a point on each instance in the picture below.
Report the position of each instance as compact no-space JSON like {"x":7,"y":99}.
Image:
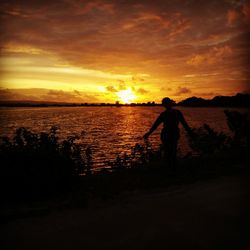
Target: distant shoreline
{"x":101,"y":106}
{"x":237,"y":101}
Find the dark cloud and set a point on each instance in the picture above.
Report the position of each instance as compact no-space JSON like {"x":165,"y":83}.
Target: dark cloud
{"x":68,"y":96}
{"x":46,"y":95}
{"x":142,"y":91}
{"x":239,"y":15}
{"x":137,"y":79}
{"x":14,"y":95}
{"x":122,"y":86}
{"x":77,"y":92}
{"x":182,"y":90}
{"x":111,"y":89}
{"x":166,"y":89}
{"x":62,"y":96}
{"x":207,"y":94}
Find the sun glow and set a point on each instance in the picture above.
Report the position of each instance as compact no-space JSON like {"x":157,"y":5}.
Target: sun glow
{"x":126,"y":96}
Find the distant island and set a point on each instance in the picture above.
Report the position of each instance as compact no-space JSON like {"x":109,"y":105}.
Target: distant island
{"x":238,"y":100}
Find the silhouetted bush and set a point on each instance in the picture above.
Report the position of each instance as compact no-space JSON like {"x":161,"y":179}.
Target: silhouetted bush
{"x":207,"y":141}
{"x":239,"y":124}
{"x":38,"y":164}
{"x":139,"y":156}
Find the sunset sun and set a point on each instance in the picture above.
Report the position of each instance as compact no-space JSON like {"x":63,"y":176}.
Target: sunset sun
{"x":126,"y":96}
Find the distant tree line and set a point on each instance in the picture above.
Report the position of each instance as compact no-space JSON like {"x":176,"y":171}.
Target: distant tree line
{"x":239,"y":100}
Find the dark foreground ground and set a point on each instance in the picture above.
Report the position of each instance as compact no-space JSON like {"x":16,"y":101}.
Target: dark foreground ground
{"x":208,"y":214}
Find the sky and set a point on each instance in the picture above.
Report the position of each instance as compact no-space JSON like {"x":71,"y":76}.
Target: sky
{"x":123,"y":50}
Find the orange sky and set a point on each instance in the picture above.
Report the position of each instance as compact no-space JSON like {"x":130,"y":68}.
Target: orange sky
{"x":99,"y":51}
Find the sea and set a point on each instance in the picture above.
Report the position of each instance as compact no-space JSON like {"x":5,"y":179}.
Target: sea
{"x":108,"y":131}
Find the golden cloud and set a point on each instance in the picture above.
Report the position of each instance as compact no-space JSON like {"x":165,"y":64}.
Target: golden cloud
{"x":215,"y":55}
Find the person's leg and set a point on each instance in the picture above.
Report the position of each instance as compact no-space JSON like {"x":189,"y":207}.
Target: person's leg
{"x":169,"y":146}
{"x":171,"y":152}
{"x":164,"y":144}
{"x":174,"y":154}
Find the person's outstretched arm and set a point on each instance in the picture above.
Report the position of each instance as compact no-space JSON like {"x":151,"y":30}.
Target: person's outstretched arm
{"x":157,"y":122}
{"x":185,"y":125}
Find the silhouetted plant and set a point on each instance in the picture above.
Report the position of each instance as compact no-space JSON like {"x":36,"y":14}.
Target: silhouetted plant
{"x":34,"y":164}
{"x":207,"y":141}
{"x":139,"y":156}
{"x":239,"y":124}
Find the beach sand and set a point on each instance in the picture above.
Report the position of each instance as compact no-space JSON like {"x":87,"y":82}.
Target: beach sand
{"x":211,"y":214}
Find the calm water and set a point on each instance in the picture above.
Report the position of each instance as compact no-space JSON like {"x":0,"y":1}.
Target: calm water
{"x":109,"y":130}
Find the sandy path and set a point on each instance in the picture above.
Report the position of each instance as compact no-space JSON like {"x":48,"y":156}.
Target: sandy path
{"x":212,"y":214}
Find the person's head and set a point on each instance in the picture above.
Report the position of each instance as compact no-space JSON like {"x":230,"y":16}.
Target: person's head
{"x":167,"y":102}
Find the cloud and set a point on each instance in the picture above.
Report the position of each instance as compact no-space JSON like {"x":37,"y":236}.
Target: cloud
{"x":180,"y":27}
{"x":207,"y":94}
{"x":142,"y":91}
{"x":14,"y":95}
{"x":60,"y":28}
{"x":232,"y":17}
{"x":77,"y":92}
{"x":239,"y":15}
{"x":246,"y":12}
{"x":137,"y":79}
{"x":122,"y":85}
{"x":166,"y":89}
{"x":182,"y":90}
{"x":46,"y":95}
{"x":215,"y":55}
{"x":111,"y":89}
{"x":63,"y":96}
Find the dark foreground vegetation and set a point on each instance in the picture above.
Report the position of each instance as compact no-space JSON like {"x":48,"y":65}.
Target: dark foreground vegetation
{"x":42,"y":168}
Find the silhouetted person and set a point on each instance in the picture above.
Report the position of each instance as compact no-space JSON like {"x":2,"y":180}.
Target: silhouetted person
{"x":170,"y":133}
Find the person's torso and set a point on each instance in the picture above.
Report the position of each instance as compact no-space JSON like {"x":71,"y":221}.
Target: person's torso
{"x":171,"y":120}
